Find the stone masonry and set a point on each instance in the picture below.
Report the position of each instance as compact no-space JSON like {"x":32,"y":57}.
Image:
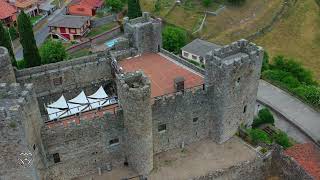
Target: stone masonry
{"x":139,"y":127}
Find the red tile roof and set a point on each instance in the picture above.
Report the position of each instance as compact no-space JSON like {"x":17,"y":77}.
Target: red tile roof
{"x":6,"y":10}
{"x":161,"y":72}
{"x":88,"y":3}
{"x":308,"y":156}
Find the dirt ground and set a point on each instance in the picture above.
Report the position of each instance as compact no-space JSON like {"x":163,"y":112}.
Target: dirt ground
{"x":195,"y":160}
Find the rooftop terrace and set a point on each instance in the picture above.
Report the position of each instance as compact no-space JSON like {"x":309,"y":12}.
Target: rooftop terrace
{"x":162,"y":72}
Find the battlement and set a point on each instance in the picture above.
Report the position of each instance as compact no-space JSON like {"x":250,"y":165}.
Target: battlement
{"x":234,"y":54}
{"x":145,"y":18}
{"x":136,"y":84}
{"x":172,"y":97}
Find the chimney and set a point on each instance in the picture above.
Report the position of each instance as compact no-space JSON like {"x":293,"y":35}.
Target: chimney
{"x":179,"y":84}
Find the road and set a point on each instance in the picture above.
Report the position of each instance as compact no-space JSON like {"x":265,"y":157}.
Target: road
{"x":295,"y":111}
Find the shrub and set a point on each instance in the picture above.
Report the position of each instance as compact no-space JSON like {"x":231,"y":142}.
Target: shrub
{"x":259,"y":136}
{"x":282,"y":139}
{"x":206,"y":3}
{"x":265,"y":62}
{"x":52,"y":51}
{"x":13,"y":33}
{"x":309,"y":93}
{"x":157,"y":6}
{"x":264,"y":117}
{"x":194,"y":62}
{"x":174,"y":39}
{"x":116,"y":5}
{"x":21,"y":64}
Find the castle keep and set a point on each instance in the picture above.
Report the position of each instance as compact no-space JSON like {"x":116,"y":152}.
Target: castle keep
{"x":163,"y":103}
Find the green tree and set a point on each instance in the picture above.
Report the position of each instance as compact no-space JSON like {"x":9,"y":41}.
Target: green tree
{"x":174,"y":39}
{"x":13,"y":33}
{"x":265,"y":62}
{"x":30,"y":49}
{"x":5,"y":42}
{"x":134,"y":9}
{"x":282,"y":139}
{"x":116,"y":5}
{"x":237,"y":2}
{"x":52,"y":51}
{"x":157,"y":6}
{"x":206,"y":3}
{"x":264,"y":117}
{"x":259,"y":136}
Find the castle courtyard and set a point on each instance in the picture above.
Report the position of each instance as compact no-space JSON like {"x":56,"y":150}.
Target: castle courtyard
{"x":196,"y":159}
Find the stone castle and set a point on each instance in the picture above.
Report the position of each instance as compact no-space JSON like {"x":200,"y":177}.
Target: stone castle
{"x":139,"y":126}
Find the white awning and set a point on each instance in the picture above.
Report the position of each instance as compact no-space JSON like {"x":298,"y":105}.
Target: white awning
{"x":100,"y":94}
{"x":61,"y":103}
{"x":55,"y":113}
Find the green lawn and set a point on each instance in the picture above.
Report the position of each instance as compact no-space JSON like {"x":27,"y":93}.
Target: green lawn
{"x":80,"y":53}
{"x":98,"y":30}
{"x":34,"y":19}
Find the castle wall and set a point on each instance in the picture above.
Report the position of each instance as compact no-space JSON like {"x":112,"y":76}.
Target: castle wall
{"x":6,"y":73}
{"x":186,"y":116}
{"x":67,"y":75}
{"x":85,"y":147}
{"x":20,"y":123}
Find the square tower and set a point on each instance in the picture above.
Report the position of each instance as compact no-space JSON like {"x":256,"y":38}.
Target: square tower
{"x":232,"y":78}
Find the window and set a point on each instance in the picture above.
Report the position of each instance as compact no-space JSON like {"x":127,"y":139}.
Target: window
{"x":194,"y":57}
{"x":245,"y":109}
{"x":56,"y":158}
{"x":162,"y":127}
{"x":72,"y":30}
{"x":195,"y":119}
{"x":57,"y":81}
{"x":186,"y":54}
{"x":114,"y":142}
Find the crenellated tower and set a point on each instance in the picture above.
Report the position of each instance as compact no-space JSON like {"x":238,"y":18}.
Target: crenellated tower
{"x":134,"y":94}
{"x":144,"y":33}
{"x":232,"y":77}
{"x":6,"y":70}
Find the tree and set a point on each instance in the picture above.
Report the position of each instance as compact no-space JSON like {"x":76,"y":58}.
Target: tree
{"x":13,"y":33}
{"x":52,"y":51}
{"x":264,"y":117}
{"x":265,"y":62}
{"x":30,"y":49}
{"x":206,"y":3}
{"x":174,"y":39}
{"x":157,"y":6}
{"x":116,"y":5}
{"x":282,"y":139}
{"x":237,"y":2}
{"x":5,"y":42}
{"x":134,"y":9}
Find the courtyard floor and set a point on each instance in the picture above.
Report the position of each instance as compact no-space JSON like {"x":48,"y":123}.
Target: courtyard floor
{"x":196,"y":159}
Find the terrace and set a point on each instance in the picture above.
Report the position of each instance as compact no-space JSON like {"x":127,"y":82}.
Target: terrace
{"x":163,"y":72}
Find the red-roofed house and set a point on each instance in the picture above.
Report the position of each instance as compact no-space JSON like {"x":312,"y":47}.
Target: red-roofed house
{"x":28,"y":6}
{"x":84,"y":7}
{"x":8,"y":13}
{"x":307,"y":156}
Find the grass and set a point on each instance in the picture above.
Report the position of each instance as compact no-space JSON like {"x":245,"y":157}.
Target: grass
{"x":80,"y":53}
{"x":101,"y":29}
{"x":34,"y":19}
{"x":297,"y":35}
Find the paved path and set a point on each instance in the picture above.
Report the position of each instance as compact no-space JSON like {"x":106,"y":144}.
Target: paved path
{"x":300,"y":114}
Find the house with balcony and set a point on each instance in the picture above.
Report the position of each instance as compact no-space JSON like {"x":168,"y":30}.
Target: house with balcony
{"x":69,"y":27}
{"x":197,"y":50}
{"x":8,"y":13}
{"x":30,"y":7}
{"x":84,"y":7}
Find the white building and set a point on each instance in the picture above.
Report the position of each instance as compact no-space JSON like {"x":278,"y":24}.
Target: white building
{"x":197,"y":50}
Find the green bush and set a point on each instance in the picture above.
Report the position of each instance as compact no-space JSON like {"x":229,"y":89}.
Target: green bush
{"x":259,"y":136}
{"x":282,"y":139}
{"x":265,"y":62}
{"x":264,"y":117}
{"x":13,"y":33}
{"x":116,"y":5}
{"x":157,"y":6}
{"x":206,"y":3}
{"x":174,"y":39}
{"x":52,"y":51}
{"x":21,"y":64}
{"x":309,"y":93}
{"x":194,"y":62}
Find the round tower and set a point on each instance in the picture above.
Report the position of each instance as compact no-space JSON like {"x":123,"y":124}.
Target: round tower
{"x":134,"y":97}
{"x":6,"y":70}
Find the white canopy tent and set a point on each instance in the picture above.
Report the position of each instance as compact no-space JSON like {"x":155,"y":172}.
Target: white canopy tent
{"x":62,"y":108}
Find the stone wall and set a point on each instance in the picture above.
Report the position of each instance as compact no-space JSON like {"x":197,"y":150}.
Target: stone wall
{"x":6,"y":69}
{"x":232,"y":75}
{"x":186,"y":116}
{"x":20,"y":123}
{"x":85,"y":147}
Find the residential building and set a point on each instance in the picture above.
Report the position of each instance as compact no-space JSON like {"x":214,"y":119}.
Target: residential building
{"x":197,"y":50}
{"x":84,"y":7}
{"x":30,"y":7}
{"x":8,"y":13}
{"x":69,"y":27}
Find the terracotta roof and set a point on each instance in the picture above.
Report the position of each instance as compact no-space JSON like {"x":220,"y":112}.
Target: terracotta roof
{"x":6,"y":10}
{"x":89,"y":3}
{"x":308,"y":156}
{"x":162,"y":72}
